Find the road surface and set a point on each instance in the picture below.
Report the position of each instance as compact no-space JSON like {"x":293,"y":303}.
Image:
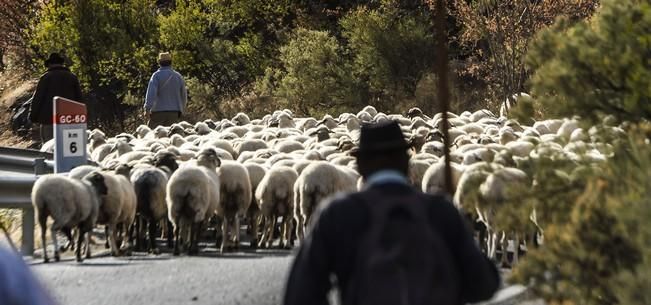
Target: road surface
{"x":245,"y":278}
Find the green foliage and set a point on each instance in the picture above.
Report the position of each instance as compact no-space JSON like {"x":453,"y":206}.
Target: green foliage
{"x":110,"y":43}
{"x":315,"y":73}
{"x":597,"y":67}
{"x":391,"y":49}
{"x":597,"y":247}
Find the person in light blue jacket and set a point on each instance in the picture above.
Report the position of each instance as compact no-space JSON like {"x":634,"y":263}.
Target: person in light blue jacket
{"x":166,"y":94}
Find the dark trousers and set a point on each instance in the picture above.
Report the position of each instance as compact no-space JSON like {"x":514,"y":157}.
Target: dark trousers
{"x":47,"y":133}
{"x":163,"y":118}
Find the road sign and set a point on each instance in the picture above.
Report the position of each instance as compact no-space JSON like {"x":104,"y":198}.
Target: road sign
{"x":69,"y":134}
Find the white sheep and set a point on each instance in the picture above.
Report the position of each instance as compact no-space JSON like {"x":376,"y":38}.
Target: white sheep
{"x":316,"y":182}
{"x":235,"y":190}
{"x":71,"y":203}
{"x":118,"y":208}
{"x":275,"y":196}
{"x":256,"y":174}
{"x":193,"y":195}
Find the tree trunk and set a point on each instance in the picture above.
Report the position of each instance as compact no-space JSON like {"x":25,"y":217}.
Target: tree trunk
{"x":2,"y":59}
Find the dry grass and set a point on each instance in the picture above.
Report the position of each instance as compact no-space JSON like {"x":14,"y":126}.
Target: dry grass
{"x":13,"y":88}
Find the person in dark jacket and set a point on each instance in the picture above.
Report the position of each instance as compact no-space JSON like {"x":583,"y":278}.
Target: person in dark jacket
{"x":57,"y":81}
{"x":332,"y":245}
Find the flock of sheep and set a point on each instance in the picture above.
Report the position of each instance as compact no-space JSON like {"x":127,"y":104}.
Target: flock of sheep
{"x":180,"y":181}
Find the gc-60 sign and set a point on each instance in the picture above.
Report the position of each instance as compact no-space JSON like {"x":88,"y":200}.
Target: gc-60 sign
{"x":69,"y":134}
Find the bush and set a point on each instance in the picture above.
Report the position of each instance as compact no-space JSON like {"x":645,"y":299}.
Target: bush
{"x":314,"y":75}
{"x":391,"y":49}
{"x":597,"y":67}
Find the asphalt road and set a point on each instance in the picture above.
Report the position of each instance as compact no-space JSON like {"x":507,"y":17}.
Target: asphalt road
{"x":255,"y":278}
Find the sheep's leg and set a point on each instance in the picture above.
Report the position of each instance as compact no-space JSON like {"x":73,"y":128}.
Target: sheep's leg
{"x":504,"y":244}
{"x":177,"y":235}
{"x":292,"y":236}
{"x":288,"y":224}
{"x":112,"y":237}
{"x":516,"y":254}
{"x":71,"y":242}
{"x":107,"y":245}
{"x":42,"y":221}
{"x":167,"y":229}
{"x":80,"y":240}
{"x":236,"y":244}
{"x":128,"y":236}
{"x":53,"y":232}
{"x":263,"y":238}
{"x":152,"y":238}
{"x":272,"y":229}
{"x":224,"y":234}
{"x":300,"y":227}
{"x":194,"y":234}
{"x":253,"y":224}
{"x":138,"y":231}
{"x":87,"y":249}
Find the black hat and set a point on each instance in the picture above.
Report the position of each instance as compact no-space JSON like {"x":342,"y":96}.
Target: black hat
{"x":55,"y":59}
{"x":381,"y":137}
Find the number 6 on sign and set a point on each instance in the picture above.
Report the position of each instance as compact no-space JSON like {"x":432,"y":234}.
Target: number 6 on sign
{"x":71,"y":142}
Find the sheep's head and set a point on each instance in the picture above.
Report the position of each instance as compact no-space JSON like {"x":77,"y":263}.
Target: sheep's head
{"x":177,"y":129}
{"x":414,"y":112}
{"x":97,"y":181}
{"x":208,"y":157}
{"x":124,"y":169}
{"x":167,"y":159}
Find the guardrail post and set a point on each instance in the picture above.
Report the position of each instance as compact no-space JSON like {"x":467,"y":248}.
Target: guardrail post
{"x":27,"y":247}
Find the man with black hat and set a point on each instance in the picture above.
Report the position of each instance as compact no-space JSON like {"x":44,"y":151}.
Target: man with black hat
{"x":389,"y":243}
{"x":57,"y":81}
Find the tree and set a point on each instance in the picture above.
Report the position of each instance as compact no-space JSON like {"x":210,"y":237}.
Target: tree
{"x":597,"y":67}
{"x":391,"y":49}
{"x":314,"y":75}
{"x":111,"y":45}
{"x":15,"y":18}
{"x":495,"y":38}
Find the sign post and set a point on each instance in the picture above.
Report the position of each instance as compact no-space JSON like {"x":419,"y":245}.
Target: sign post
{"x":69,"y":134}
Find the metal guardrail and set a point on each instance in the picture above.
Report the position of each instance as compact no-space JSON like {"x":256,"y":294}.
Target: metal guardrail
{"x":24,"y":166}
{"x":25,"y":153}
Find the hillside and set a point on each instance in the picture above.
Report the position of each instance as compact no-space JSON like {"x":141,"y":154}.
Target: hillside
{"x":14,"y":89}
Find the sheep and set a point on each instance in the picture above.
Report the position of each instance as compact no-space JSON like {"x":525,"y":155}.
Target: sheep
{"x":235,"y":190}
{"x":275,"y":196}
{"x":150,"y":186}
{"x":288,"y":146}
{"x":118,"y":208}
{"x":256,"y":174}
{"x":250,"y":145}
{"x":96,"y":138}
{"x":316,"y":182}
{"x":71,"y":203}
{"x":241,"y":119}
{"x":417,"y":169}
{"x":193,"y":194}
{"x":433,"y":180}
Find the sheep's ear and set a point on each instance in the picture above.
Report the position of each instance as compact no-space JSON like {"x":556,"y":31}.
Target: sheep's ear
{"x":219,"y":161}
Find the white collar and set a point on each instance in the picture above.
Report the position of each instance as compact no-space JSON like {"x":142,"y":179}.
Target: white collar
{"x":386,"y":176}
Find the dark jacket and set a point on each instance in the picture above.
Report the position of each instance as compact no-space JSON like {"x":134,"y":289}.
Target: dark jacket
{"x":57,"y":81}
{"x":332,"y":245}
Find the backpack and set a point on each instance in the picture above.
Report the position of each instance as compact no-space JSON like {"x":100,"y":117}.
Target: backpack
{"x":401,"y":259}
{"x":20,"y":118}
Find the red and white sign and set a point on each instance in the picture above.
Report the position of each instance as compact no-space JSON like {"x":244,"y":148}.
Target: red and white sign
{"x":69,"y":118}
{"x":68,"y":111}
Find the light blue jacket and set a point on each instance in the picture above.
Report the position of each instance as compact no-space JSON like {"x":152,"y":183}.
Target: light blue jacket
{"x":166,"y":91}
